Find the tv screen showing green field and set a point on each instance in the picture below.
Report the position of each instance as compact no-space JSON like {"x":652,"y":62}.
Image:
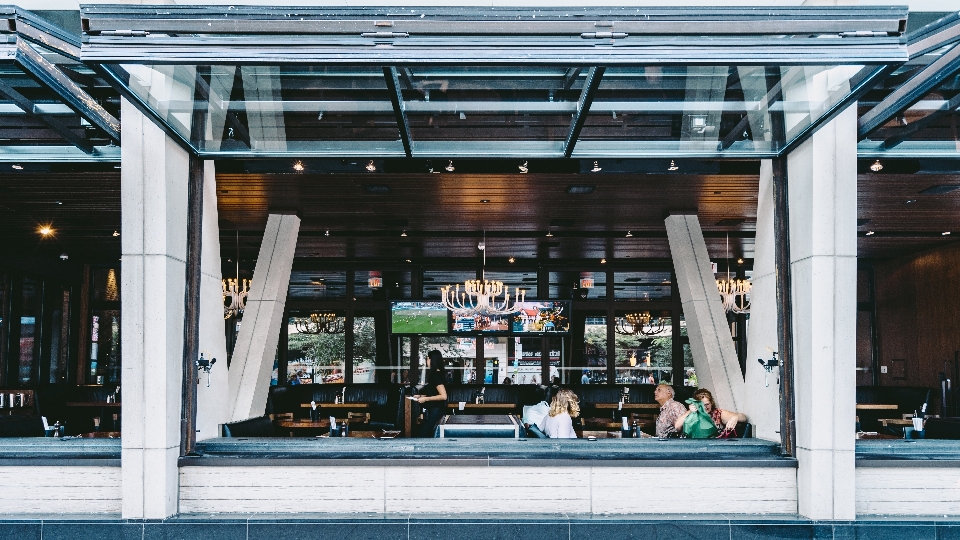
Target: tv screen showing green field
{"x":419,"y":318}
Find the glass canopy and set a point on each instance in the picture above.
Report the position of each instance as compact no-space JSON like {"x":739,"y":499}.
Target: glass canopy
{"x":255,"y":81}
{"x":52,"y":106}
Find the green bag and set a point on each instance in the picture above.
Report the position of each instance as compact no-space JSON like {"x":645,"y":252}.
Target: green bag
{"x":698,"y":424}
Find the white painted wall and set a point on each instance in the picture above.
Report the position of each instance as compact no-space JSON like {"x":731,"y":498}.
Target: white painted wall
{"x":60,"y":490}
{"x":390,"y":489}
{"x":908,"y":491}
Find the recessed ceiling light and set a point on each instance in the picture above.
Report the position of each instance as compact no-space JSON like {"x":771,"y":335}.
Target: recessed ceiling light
{"x":17,"y":167}
{"x":45,"y":230}
{"x":596,"y":167}
{"x":117,"y":233}
{"x":739,"y":261}
{"x":298,"y":166}
{"x":876,"y":166}
{"x":673,"y":166}
{"x":524,"y":167}
{"x":549,"y":234}
{"x":910,"y":201}
{"x":603,"y":261}
{"x":945,"y":233}
{"x":511,"y":260}
{"x":629,"y":234}
{"x":408,"y":260}
{"x":484,"y":200}
{"x":116,"y":166}
{"x":404,"y":233}
{"x":326,"y":232}
{"x":371,"y":166}
{"x":450,"y":167}
{"x":870,"y":233}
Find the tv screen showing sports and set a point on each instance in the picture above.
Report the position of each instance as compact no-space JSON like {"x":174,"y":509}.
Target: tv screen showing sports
{"x":529,"y":318}
{"x":419,"y":318}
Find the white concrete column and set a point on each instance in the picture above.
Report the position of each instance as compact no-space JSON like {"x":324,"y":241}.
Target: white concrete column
{"x":256,"y":345}
{"x":822,"y":191}
{"x":762,"y":396}
{"x":714,"y":356}
{"x":212,"y":401}
{"x":153,"y":202}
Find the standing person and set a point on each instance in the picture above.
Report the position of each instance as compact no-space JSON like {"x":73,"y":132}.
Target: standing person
{"x":670,"y":410}
{"x":558,"y":424}
{"x":585,"y":379}
{"x":433,"y":394}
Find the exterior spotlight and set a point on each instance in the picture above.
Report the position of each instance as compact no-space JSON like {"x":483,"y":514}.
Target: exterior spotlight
{"x":450,"y":167}
{"x":371,"y":167}
{"x":298,"y":166}
{"x":46,"y":230}
{"x":524,"y":167}
{"x":629,"y":234}
{"x":596,"y":167}
{"x":877,"y":166}
{"x":870,"y":233}
{"x":673,"y":166}
{"x":116,"y":233}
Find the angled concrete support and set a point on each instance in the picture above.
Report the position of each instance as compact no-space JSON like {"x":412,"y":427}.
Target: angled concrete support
{"x":714,"y":356}
{"x":153,"y":202}
{"x":212,"y":408}
{"x":762,"y":396}
{"x":256,"y":345}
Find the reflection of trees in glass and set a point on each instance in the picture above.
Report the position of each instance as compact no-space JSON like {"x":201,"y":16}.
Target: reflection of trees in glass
{"x":364,"y":340}
{"x":447,"y":345}
{"x":595,"y":340}
{"x":325,"y":351}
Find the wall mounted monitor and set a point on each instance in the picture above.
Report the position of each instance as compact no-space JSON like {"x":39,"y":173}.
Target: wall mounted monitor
{"x":419,"y":318}
{"x":547,"y":316}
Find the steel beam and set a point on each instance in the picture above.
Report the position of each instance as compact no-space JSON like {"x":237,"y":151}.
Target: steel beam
{"x":52,"y":122}
{"x":392,"y":79}
{"x":903,"y":133}
{"x":583,"y":108}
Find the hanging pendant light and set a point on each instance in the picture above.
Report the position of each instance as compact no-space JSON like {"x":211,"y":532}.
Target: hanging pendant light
{"x":734,"y":292}
{"x":481,"y":296}
{"x":235,"y":291}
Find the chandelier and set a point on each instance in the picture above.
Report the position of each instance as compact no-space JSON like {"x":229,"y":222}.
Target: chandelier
{"x":235,"y":290}
{"x":734,"y":292}
{"x":481,"y":296}
{"x":643,"y":323}
{"x":319,"y":323}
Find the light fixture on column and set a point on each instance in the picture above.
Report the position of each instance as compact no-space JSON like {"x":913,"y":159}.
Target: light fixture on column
{"x":734,"y":292}
{"x":641,"y":323}
{"x":319,"y":323}
{"x":235,"y":291}
{"x":876,"y":166}
{"x":481,"y":296}
{"x":450,"y":167}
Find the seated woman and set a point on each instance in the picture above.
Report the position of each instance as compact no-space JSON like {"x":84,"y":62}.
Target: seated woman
{"x":726,"y":421}
{"x":558,"y":424}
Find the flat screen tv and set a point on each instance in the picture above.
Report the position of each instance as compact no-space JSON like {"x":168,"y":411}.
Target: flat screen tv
{"x":419,"y":318}
{"x":546,"y":316}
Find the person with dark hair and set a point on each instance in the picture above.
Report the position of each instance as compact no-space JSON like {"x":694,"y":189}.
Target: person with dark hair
{"x":433,"y":394}
{"x":726,"y":421}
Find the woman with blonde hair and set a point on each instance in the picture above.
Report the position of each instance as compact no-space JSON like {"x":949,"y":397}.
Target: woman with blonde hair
{"x":558,"y":424}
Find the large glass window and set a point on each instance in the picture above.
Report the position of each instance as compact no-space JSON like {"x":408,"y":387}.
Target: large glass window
{"x":30,"y":313}
{"x":59,"y":353}
{"x":646,"y":358}
{"x":104,"y":358}
{"x":459,"y":355}
{"x":365,"y":350}
{"x":594,"y":352}
{"x":644,"y":286}
{"x":314,"y":358}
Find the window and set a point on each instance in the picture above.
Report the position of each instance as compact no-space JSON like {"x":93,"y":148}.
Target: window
{"x":314,"y":358}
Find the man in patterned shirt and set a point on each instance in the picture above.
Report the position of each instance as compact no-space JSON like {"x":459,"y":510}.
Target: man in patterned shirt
{"x":670,"y":410}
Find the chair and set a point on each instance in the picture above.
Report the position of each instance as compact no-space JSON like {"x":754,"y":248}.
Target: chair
{"x":260,"y":426}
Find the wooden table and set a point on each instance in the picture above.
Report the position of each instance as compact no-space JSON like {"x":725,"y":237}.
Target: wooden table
{"x":606,"y":434}
{"x":876,"y":407}
{"x":895,"y":422}
{"x":627,"y":406}
{"x":322,"y":424}
{"x":100,"y":435}
{"x":875,"y":436}
{"x":481,"y":406}
{"x":350,"y":406}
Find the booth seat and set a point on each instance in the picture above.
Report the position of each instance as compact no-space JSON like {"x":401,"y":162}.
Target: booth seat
{"x":386,"y":400}
{"x":907,"y":399}
{"x":260,"y":426}
{"x":639,"y":393}
{"x":52,"y":403}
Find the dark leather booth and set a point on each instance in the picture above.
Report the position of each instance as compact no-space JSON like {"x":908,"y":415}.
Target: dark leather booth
{"x":386,"y":400}
{"x":260,"y":426}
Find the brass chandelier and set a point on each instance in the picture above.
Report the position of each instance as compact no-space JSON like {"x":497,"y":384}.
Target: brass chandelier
{"x":320,"y":323}
{"x":640,"y":323}
{"x":481,"y":296}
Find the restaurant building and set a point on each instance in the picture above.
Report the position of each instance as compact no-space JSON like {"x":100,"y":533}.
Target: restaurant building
{"x":227,"y":227}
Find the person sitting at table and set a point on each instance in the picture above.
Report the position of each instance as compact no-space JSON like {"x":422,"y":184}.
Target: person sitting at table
{"x":726,"y":421}
{"x":433,"y":394}
{"x":558,"y":423}
{"x":670,"y":410}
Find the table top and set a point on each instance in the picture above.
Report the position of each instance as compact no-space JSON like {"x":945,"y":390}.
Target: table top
{"x":867,"y":436}
{"x":100,"y":435}
{"x":98,"y":404}
{"x":605,"y":434}
{"x":358,"y":405}
{"x":896,"y":422}
{"x":876,"y":406}
{"x":627,"y":406}
{"x":480,"y":420}
{"x":481,"y":406}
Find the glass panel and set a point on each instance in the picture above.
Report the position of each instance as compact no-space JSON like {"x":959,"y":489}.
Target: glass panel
{"x":434,"y":280}
{"x":459,"y":355}
{"x":104,"y":361}
{"x":317,"y":285}
{"x":864,"y":348}
{"x":497,"y":104}
{"x":567,"y":285}
{"x":403,"y":349}
{"x":594,"y":351}
{"x":4,"y":324}
{"x":495,"y":357}
{"x":526,"y":281}
{"x":314,"y":358}
{"x":525,"y":365}
{"x":641,"y":286}
{"x":689,"y":372}
{"x":659,"y":110}
{"x":646,"y":359}
{"x":30,"y":317}
{"x":106,"y":284}
{"x":274,"y":109}
{"x":365,"y":350}
{"x":60,"y":339}
{"x":558,"y":358}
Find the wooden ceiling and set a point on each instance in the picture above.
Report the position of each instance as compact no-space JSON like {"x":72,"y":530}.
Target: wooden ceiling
{"x":444,"y":217}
